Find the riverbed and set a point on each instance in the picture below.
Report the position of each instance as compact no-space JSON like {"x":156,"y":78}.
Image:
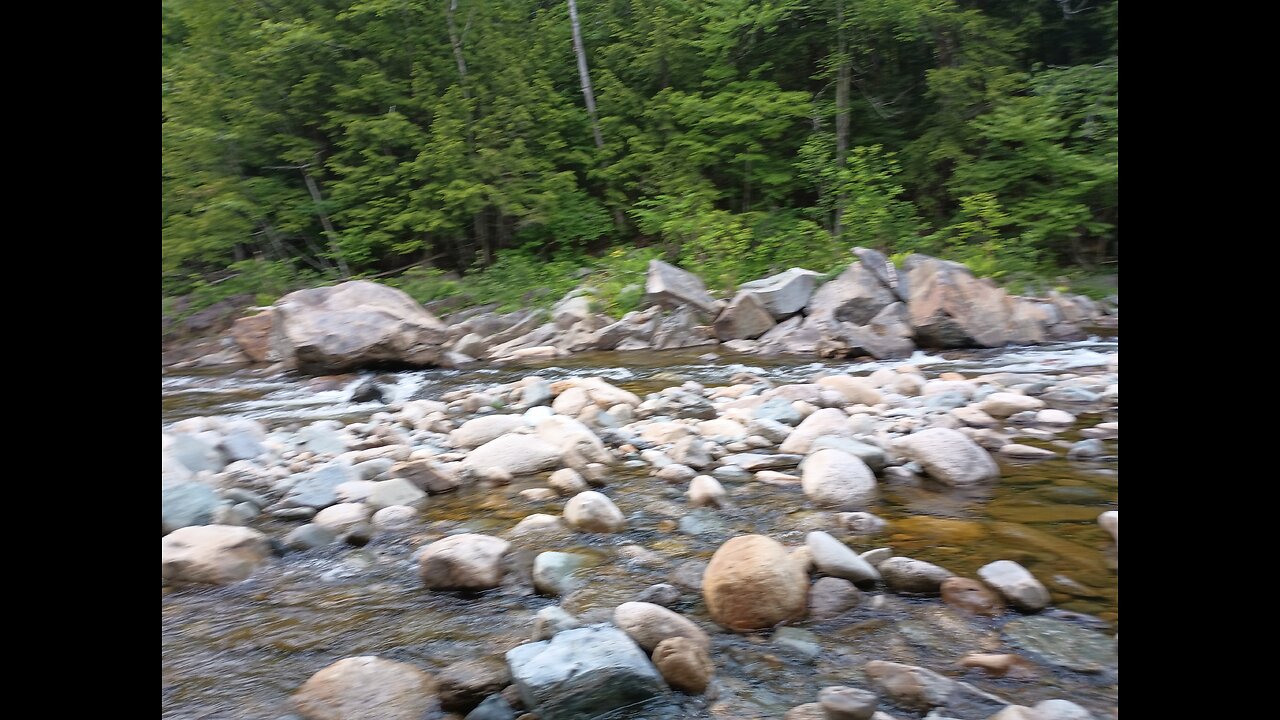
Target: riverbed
{"x":239,"y":651}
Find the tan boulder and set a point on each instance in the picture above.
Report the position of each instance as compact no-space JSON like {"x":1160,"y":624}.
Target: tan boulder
{"x":750,"y":584}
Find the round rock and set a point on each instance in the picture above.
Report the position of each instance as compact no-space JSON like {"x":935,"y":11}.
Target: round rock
{"x":591,"y":511}
{"x":750,"y":584}
{"x":463,"y":562}
{"x":684,"y":664}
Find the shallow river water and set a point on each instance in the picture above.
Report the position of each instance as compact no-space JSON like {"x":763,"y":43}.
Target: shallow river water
{"x":239,"y":651}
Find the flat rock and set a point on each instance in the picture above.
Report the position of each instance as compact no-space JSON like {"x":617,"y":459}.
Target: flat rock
{"x":579,"y":674}
{"x":1062,"y":643}
{"x":908,"y":575}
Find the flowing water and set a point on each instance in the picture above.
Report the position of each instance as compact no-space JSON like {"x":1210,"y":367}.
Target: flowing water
{"x":239,"y":651}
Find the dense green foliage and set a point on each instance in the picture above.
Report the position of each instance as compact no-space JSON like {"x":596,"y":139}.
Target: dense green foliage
{"x":304,"y":141}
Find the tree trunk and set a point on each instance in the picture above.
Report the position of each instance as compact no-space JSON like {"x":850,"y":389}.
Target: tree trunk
{"x":585,"y":75}
{"x":328,"y":226}
{"x":843,"y":80}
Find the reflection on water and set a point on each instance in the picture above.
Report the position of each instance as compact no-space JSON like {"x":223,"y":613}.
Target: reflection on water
{"x":239,"y":651}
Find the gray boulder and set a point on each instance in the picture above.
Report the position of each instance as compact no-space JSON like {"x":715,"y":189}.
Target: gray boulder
{"x":784,"y":294}
{"x":671,"y":287}
{"x":582,"y":673}
{"x":354,"y":324}
{"x":746,"y":318}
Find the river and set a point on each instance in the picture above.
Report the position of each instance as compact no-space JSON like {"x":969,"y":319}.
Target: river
{"x":239,"y":651}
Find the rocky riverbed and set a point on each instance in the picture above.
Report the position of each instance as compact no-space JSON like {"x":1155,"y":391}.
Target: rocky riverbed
{"x":647,"y":536}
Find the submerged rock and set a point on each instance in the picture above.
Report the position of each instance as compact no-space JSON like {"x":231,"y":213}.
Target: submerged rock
{"x":1062,"y":643}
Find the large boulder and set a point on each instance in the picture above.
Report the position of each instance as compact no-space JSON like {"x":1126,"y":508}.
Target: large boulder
{"x":671,"y":287}
{"x":751,"y":583}
{"x":855,"y":296}
{"x":745,"y":318}
{"x":784,"y":294}
{"x":352,"y":325}
{"x":681,"y":328}
{"x":949,"y":307}
{"x":463,"y":562}
{"x":949,"y":456}
{"x":367,"y":688}
{"x":582,"y":673}
{"x":212,"y":554}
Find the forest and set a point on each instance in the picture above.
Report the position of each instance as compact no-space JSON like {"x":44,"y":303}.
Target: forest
{"x":507,"y":150}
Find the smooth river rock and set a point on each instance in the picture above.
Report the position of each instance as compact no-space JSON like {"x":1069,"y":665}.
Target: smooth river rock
{"x":836,"y":559}
{"x":591,"y":511}
{"x":908,"y":575}
{"x":750,"y":584}
{"x":367,"y":688}
{"x":463,"y":562}
{"x":1016,"y":584}
{"x":835,"y":479}
{"x":516,"y":454}
{"x":649,"y":624}
{"x":949,"y":456}
{"x":212,"y":554}
{"x":684,"y":664}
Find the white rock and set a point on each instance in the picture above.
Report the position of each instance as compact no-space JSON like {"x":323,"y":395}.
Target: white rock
{"x":1110,"y":521}
{"x":706,"y":491}
{"x":474,"y":433}
{"x":342,"y":517}
{"x":1016,"y":584}
{"x":567,"y":481}
{"x":836,"y":479}
{"x":591,"y":511}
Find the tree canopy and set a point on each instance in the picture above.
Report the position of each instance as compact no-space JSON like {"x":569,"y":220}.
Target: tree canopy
{"x":328,"y":138}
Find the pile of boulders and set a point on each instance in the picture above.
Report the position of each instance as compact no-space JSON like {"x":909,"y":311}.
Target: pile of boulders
{"x":871,"y":309}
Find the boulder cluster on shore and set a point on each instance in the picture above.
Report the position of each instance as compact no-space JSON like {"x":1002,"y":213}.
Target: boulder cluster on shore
{"x":838,"y":438}
{"x":870,"y":309}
